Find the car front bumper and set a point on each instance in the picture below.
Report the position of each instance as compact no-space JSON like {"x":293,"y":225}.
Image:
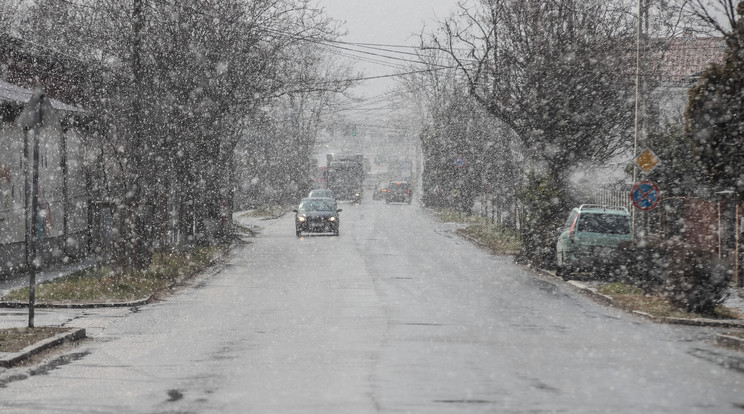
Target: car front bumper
{"x":317,"y":226}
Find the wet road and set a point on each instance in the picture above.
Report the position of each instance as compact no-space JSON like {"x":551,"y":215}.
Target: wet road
{"x":396,"y":315}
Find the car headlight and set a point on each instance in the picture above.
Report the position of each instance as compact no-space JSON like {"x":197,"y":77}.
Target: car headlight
{"x":332,"y":219}
{"x":357,"y":194}
{"x":300,"y":218}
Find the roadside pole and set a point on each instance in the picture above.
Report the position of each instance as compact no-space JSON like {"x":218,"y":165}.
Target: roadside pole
{"x":37,"y":111}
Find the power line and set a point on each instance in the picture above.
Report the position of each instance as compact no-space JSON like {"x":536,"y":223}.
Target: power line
{"x":331,"y":43}
{"x":365,"y":59}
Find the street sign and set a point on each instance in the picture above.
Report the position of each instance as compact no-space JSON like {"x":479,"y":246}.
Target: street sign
{"x":645,"y":195}
{"x":38,"y":111}
{"x":647,"y":160}
{"x":459,"y":162}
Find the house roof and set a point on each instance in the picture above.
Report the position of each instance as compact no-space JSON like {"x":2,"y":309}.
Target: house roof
{"x":683,"y":59}
{"x":19,"y":95}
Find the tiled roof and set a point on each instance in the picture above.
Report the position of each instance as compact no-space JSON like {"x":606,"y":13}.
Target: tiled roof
{"x":683,"y":59}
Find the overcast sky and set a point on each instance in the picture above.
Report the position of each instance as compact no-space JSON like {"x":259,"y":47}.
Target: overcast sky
{"x":388,"y":22}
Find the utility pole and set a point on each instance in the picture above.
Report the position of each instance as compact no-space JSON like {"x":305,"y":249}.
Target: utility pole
{"x":642,"y":6}
{"x":138,"y":150}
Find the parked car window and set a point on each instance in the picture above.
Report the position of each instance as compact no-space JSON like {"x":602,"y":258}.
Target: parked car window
{"x":604,"y":223}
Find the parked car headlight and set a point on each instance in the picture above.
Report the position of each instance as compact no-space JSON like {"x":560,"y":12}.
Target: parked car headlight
{"x":300,"y":218}
{"x":332,"y":219}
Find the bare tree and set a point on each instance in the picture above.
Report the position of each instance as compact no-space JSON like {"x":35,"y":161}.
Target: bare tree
{"x":178,"y":82}
{"x":455,"y":126}
{"x":710,"y":16}
{"x":556,"y":73}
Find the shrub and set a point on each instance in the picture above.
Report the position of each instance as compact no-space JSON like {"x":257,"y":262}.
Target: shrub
{"x":643,"y":266}
{"x":696,"y":281}
{"x":693,"y":280}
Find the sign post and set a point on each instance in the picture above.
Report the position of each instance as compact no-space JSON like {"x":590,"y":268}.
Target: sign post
{"x":37,"y":113}
{"x":645,"y":195}
{"x":647,"y":160}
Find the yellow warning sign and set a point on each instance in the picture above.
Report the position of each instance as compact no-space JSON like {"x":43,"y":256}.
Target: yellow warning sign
{"x":647,"y":160}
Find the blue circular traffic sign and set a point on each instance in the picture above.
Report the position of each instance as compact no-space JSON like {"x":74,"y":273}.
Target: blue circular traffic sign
{"x":645,"y":195}
{"x":459,"y":162}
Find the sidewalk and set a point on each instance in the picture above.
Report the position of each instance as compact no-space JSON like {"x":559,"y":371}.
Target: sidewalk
{"x":85,"y":321}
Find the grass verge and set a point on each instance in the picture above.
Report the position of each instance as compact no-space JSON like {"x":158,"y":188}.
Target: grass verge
{"x":16,"y":339}
{"x":494,"y":237}
{"x":274,"y":211}
{"x":107,"y":285}
{"x":452,"y":216}
{"x":632,"y":298}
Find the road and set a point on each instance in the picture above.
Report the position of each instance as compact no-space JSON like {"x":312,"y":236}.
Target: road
{"x":396,"y":315}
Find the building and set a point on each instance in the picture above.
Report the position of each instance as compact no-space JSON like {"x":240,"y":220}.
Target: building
{"x":676,"y":65}
{"x":62,"y":224}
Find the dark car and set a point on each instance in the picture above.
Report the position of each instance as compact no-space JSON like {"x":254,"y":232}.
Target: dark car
{"x":380,"y":191}
{"x":317,"y":215}
{"x":399,"y":192}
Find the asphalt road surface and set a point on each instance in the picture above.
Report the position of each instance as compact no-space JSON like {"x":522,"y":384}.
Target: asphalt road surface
{"x":395,"y":315}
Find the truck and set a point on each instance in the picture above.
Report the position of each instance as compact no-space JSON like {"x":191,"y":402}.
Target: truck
{"x":345,"y":176}
{"x":406,"y":169}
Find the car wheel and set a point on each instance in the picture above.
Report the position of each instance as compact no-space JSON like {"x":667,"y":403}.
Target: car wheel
{"x":298,"y":232}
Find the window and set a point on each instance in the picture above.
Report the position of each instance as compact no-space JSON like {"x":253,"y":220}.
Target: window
{"x":604,"y":223}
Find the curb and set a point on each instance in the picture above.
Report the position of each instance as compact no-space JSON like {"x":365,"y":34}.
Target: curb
{"x":718,"y":323}
{"x":730,"y":341}
{"x":52,"y":305}
{"x":8,"y":359}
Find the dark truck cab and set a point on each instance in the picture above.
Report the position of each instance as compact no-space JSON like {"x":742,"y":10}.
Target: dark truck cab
{"x":345,"y":176}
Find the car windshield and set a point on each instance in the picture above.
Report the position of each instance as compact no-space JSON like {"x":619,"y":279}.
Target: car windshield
{"x":318,"y":204}
{"x":604,"y":223}
{"x":321,"y":193}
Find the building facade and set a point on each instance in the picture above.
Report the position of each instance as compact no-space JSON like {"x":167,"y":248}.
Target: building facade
{"x":61,"y":225}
